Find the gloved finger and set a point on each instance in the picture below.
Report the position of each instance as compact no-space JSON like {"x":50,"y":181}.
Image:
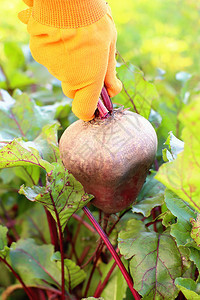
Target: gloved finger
{"x":112,"y":83}
{"x":67,"y":91}
{"x":28,"y":2}
{"x":24,"y":15}
{"x":85,"y":101}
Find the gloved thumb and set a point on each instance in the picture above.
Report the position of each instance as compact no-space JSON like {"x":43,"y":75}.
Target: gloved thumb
{"x":85,"y":100}
{"x":24,"y":15}
{"x":28,"y":2}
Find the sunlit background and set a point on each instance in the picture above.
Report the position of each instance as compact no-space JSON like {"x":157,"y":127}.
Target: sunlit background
{"x":160,"y":33}
{"x":162,"y":39}
{"x":151,"y":34}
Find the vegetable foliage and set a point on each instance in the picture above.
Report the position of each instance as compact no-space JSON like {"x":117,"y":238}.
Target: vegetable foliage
{"x":45,"y":240}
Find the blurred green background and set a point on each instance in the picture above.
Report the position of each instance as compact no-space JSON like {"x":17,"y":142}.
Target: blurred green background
{"x":159,"y":33}
{"x":160,"y":37}
{"x":151,"y":34}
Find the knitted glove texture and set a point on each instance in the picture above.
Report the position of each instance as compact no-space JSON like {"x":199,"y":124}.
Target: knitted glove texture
{"x":76,"y":41}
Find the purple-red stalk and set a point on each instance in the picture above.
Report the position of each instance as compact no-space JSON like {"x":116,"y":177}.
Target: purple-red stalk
{"x":41,"y":294}
{"x":119,"y":218}
{"x":98,"y":254}
{"x":151,"y":223}
{"x":52,"y":229}
{"x":94,"y":255}
{"x":103,"y":112}
{"x":106,"y":99}
{"x":81,"y":221}
{"x":84,"y":254}
{"x":102,"y":285}
{"x":105,"y":106}
{"x":61,"y":249}
{"x":72,"y":243}
{"x":26,"y":289}
{"x":112,"y":251}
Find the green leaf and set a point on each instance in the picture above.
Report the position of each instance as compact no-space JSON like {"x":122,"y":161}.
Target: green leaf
{"x":13,"y":65}
{"x":151,"y":188}
{"x":96,"y":277}
{"x":62,"y":192}
{"x":47,"y":143}
{"x":21,"y":117}
{"x":5,"y":279}
{"x":168,"y":218}
{"x":188,"y":266}
{"x":33,"y":263}
{"x":20,"y":153}
{"x":189,"y":116}
{"x":167,"y":155}
{"x":30,"y":175}
{"x":168,"y":111}
{"x":195,"y":232}
{"x":155,"y":260}
{"x":3,"y":237}
{"x":151,"y":195}
{"x":116,"y":287}
{"x":182,"y":229}
{"x":176,"y":146}
{"x":6,"y":175}
{"x":29,"y":227}
{"x":145,"y":206}
{"x":194,"y":256}
{"x":182,"y":175}
{"x":189,"y":288}
{"x":85,"y":238}
{"x":137,"y":93}
{"x":14,"y":54}
{"x":74,"y":275}
{"x":3,"y":241}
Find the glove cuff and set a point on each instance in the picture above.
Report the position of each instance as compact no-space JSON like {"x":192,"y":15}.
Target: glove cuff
{"x":68,"y":13}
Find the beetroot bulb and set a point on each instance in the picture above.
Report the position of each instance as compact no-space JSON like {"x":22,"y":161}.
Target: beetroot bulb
{"x":110,"y":157}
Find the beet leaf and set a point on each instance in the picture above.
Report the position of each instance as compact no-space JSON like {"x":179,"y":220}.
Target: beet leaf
{"x":137,"y":92}
{"x":174,"y":174}
{"x":189,"y":288}
{"x":63,"y":190}
{"x":155,"y":260}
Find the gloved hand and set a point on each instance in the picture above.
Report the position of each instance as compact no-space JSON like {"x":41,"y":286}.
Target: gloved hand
{"x":76,"y":41}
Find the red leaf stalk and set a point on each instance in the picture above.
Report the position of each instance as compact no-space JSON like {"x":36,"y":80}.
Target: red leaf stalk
{"x":52,"y":229}
{"x":106,"y":99}
{"x":113,"y":252}
{"x":26,"y":289}
{"x":61,"y":249}
{"x":103,"y":112}
{"x":102,"y":285}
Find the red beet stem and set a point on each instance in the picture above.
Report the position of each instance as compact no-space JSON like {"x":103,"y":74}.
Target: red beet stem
{"x":106,"y":99}
{"x":27,"y":289}
{"x":103,"y":112}
{"x":112,"y":251}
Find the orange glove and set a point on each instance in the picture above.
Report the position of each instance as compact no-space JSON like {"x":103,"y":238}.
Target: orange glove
{"x":75,"y":40}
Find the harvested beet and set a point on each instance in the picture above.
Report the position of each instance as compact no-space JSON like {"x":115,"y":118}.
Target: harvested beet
{"x":110,"y":157}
